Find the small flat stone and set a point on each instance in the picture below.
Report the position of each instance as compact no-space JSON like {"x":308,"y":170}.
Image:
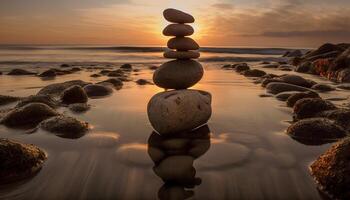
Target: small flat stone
{"x":182,"y":54}
{"x":179,"y":30}
{"x":177,"y":16}
{"x":182,"y":44}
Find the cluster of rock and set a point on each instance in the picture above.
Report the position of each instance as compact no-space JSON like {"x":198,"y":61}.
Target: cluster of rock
{"x":329,"y":60}
{"x":173,"y":159}
{"x":180,"y":109}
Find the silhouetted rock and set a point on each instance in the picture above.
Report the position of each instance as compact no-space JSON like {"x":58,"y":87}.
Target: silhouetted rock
{"x":28,"y":116}
{"x":254,"y":73}
{"x":276,"y":87}
{"x":97,"y":90}
{"x":48,"y":73}
{"x":182,"y":54}
{"x":182,"y":44}
{"x":294,"y":53}
{"x":19,"y":161}
{"x":178,"y":30}
{"x":241,"y":67}
{"x":177,"y":16}
{"x":143,"y":82}
{"x":58,"y":88}
{"x":316,"y":131}
{"x":45,"y":99}
{"x":8,"y":99}
{"x":323,"y":87}
{"x":126,"y":67}
{"x":79,"y":107}
{"x":74,"y":94}
{"x":20,"y":72}
{"x":310,"y":107}
{"x":332,"y":171}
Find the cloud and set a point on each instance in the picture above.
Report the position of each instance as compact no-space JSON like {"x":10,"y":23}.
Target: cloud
{"x":315,"y":33}
{"x":225,"y":6}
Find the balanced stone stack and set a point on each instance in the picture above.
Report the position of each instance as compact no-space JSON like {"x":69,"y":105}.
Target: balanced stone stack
{"x":179,"y":109}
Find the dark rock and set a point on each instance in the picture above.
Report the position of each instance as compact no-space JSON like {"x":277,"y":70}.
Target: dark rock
{"x":310,"y":107}
{"x":286,"y":67}
{"x":48,"y":73}
{"x":266,"y":81}
{"x":265,"y":62}
{"x":177,"y":16}
{"x":332,"y":171}
{"x":79,"y":107}
{"x":315,"y":131}
{"x":126,"y":67}
{"x":304,"y":67}
{"x":0,"y":73}
{"x":75,"y":69}
{"x":8,"y":99}
{"x":45,"y":99}
{"x":74,"y":94}
{"x":275,"y":88}
{"x":66,"y":127}
{"x":294,"y":53}
{"x":296,"y":61}
{"x":296,"y":80}
{"x":116,"y":73}
{"x":152,"y":67}
{"x":228,"y":67}
{"x":273,"y":65}
{"x":105,"y":71}
{"x":340,"y":116}
{"x":95,"y":75}
{"x":342,"y":61}
{"x":116,"y":82}
{"x":58,"y":88}
{"x":283,"y":96}
{"x":19,"y":161}
{"x":143,"y":82}
{"x":325,"y":48}
{"x":241,"y":67}
{"x":65,"y":65}
{"x":323,"y":87}
{"x":301,"y":95}
{"x":345,"y":86}
{"x":28,"y":116}
{"x":97,"y":90}
{"x":254,"y":73}
{"x":344,"y":76}
{"x":20,"y":72}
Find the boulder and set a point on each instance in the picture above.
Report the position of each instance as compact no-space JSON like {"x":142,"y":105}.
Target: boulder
{"x":79,"y":107}
{"x":58,"y":88}
{"x":292,"y":99}
{"x":19,"y":161}
{"x":178,"y":74}
{"x":177,"y":16}
{"x":296,"y":80}
{"x":28,"y":116}
{"x":179,"y":110}
{"x":66,"y":127}
{"x":339,"y":116}
{"x":342,"y":61}
{"x":20,"y":72}
{"x":48,"y":73}
{"x":97,"y":90}
{"x":74,"y":94}
{"x":304,"y":67}
{"x":143,"y":82}
{"x":332,"y":171}
{"x":294,"y":53}
{"x":275,"y":88}
{"x":310,"y":107}
{"x":178,"y":30}
{"x":182,"y":54}
{"x":323,"y":87}
{"x":45,"y":99}
{"x":8,"y":99}
{"x":315,"y":131}
{"x":182,"y":44}
{"x":254,"y":73}
{"x":325,"y":48}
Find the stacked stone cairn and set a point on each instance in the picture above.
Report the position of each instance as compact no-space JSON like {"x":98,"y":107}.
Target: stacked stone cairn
{"x":179,"y":109}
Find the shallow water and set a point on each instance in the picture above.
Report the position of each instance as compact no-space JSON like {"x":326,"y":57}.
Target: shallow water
{"x":250,"y":156}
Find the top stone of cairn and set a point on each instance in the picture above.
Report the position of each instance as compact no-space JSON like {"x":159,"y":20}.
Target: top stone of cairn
{"x":177,"y":16}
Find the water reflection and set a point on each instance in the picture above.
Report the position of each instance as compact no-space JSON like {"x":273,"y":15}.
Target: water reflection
{"x":173,"y":158}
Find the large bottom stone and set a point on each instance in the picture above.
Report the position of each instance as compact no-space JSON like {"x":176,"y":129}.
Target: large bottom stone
{"x":178,"y":74}
{"x":179,"y":110}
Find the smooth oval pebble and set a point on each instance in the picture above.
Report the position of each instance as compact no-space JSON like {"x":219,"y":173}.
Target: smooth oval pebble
{"x":175,"y":111}
{"x":179,"y":30}
{"x":182,"y":44}
{"x":178,"y":74}
{"x":182,"y":54}
{"x":177,"y":16}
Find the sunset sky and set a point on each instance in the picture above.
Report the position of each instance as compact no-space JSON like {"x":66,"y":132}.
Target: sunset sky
{"x":268,"y":23}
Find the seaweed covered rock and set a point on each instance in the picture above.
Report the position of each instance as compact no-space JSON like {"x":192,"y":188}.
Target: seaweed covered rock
{"x":97,"y":90}
{"x":66,"y":127}
{"x":74,"y":94}
{"x":8,"y":99}
{"x":58,"y":88}
{"x":315,"y":131}
{"x":254,"y":73}
{"x":310,"y":107}
{"x":20,"y":72}
{"x":292,"y":99}
{"x":28,"y":116}
{"x":19,"y":161}
{"x":332,"y":171}
{"x":45,"y":99}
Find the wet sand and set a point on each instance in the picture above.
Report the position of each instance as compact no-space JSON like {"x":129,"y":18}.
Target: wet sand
{"x":250,"y":156}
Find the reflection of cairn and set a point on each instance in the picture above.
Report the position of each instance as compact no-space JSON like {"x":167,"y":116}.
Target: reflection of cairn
{"x":173,"y":158}
{"x":179,"y":110}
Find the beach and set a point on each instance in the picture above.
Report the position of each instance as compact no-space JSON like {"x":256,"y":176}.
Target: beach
{"x":249,"y":148}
